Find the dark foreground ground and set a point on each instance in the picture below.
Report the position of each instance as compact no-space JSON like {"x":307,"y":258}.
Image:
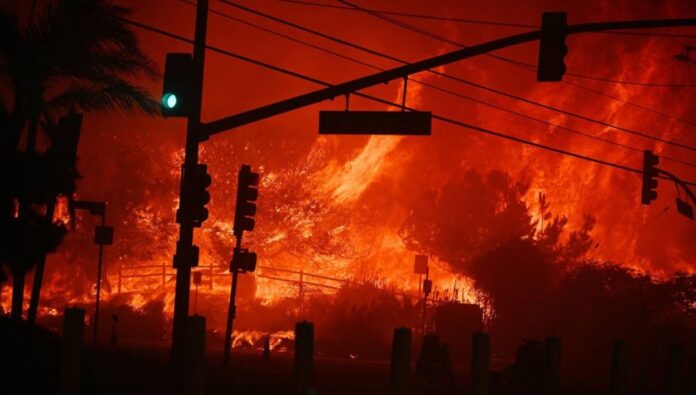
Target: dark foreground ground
{"x":29,"y":364}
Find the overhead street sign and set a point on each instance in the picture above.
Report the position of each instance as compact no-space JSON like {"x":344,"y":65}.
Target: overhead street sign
{"x":407,"y":123}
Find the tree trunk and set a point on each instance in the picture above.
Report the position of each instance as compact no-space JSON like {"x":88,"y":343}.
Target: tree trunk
{"x":17,"y":295}
{"x":36,"y":290}
{"x":38,"y":274}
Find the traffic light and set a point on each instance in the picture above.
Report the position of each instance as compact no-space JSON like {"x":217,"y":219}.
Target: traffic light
{"x":195,"y":195}
{"x":552,"y":46}
{"x":186,"y":256}
{"x":243,"y":260}
{"x":176,"y":91}
{"x":650,"y":173}
{"x":247,"y":193}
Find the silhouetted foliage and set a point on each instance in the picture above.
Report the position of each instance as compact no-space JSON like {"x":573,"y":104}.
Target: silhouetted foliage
{"x":468,"y":216}
{"x":72,"y":55}
{"x":537,"y":277}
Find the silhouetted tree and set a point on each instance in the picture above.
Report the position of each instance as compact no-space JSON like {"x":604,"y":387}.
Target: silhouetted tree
{"x":76,"y":55}
{"x":467,"y":217}
{"x":518,"y":281}
{"x":613,"y":302}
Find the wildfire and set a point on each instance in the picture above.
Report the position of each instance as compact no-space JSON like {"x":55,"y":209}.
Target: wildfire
{"x":323,"y":218}
{"x":61,"y":212}
{"x":278,"y":341}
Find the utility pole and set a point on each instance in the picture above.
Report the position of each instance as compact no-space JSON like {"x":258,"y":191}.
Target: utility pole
{"x":184,"y":247}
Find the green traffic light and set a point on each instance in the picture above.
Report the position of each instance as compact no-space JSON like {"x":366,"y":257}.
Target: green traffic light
{"x":169,"y":100}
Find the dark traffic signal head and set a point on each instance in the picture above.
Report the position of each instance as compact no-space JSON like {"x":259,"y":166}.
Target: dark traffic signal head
{"x":176,"y":92}
{"x":243,"y":260}
{"x":186,"y":256}
{"x":195,"y":195}
{"x":247,"y":194}
{"x":650,"y":172}
{"x":552,"y":46}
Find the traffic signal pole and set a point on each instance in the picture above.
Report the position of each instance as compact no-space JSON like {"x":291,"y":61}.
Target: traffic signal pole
{"x":242,"y":260}
{"x":193,"y":139}
{"x":232,"y":311}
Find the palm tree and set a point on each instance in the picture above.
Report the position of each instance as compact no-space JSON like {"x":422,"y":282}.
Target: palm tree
{"x":76,"y":55}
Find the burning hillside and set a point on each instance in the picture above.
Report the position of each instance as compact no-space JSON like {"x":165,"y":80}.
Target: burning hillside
{"x":340,"y":213}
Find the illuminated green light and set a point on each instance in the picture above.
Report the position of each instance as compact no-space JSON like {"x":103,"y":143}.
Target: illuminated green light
{"x":169,"y":100}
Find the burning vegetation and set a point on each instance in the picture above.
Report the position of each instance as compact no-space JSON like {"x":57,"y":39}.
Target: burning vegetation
{"x":543,"y":243}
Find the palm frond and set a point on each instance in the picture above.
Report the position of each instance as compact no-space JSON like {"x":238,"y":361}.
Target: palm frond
{"x":116,"y":95}
{"x":79,"y":32}
{"x":91,"y":65}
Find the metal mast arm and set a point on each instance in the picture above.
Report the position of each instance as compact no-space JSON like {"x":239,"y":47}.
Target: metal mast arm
{"x":260,"y":113}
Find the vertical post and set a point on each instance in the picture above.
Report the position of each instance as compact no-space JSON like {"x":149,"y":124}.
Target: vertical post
{"x":195,"y":301}
{"x":195,"y":355}
{"x":425,"y":301}
{"x":232,"y":311}
{"x":619,"y":368}
{"x":71,"y":351}
{"x":400,"y":370}
{"x":480,"y":361}
{"x":676,"y":375}
{"x":120,"y":275}
{"x":304,"y":355}
{"x":211,"y":276}
{"x":183,"y":271}
{"x":266,"y":355}
{"x":301,"y":293}
{"x":99,"y":276}
{"x":552,"y":369}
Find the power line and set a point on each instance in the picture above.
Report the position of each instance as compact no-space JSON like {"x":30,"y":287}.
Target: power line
{"x":458,"y":79}
{"x":450,"y":92}
{"x":475,"y":21}
{"x":647,"y":223}
{"x":598,"y":92}
{"x":670,"y":35}
{"x":214,"y":49}
{"x":420,"y":16}
{"x":398,"y":105}
{"x":285,"y":36}
{"x":531,"y":67}
{"x":633,"y":104}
